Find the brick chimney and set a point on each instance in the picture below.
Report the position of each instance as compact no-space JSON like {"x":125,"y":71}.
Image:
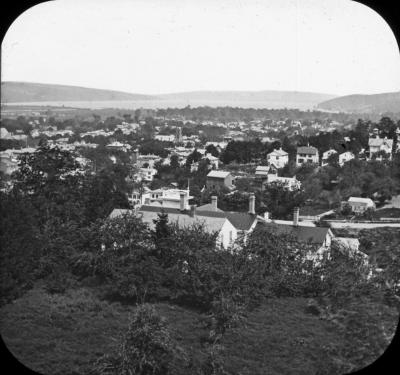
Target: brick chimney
{"x":252,"y":204}
{"x":214,"y":202}
{"x":192,"y":211}
{"x":296,"y":212}
{"x":182,"y":201}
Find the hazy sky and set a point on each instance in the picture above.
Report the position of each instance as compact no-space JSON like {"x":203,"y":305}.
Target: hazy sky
{"x":159,"y":46}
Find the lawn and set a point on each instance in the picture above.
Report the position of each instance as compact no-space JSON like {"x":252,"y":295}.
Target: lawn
{"x":65,"y":334}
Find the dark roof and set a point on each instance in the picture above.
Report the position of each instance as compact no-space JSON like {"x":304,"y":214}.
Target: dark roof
{"x":207,"y":207}
{"x":314,"y":235}
{"x":241,"y":220}
{"x":169,"y":210}
{"x":307,"y":150}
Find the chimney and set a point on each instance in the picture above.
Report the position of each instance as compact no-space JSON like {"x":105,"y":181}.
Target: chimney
{"x":192,"y":212}
{"x":214,"y":202}
{"x":252,"y":204}
{"x":296,"y":216}
{"x":266,"y":216}
{"x":182,"y":201}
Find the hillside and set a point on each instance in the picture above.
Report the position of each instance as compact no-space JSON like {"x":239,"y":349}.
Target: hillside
{"x":26,"y":92}
{"x":58,"y":334}
{"x":266,"y":99}
{"x":23,"y":92}
{"x":376,"y":103}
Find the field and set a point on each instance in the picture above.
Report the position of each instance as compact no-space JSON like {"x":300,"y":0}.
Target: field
{"x":60,"y":334}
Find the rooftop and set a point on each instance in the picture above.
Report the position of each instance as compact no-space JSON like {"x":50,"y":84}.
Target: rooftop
{"x":304,"y":234}
{"x":307,"y":150}
{"x":218,"y":174}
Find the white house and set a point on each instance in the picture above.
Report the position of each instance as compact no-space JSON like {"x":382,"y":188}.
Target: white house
{"x":290,"y":183}
{"x":326,"y":155}
{"x":212,"y":221}
{"x":244,"y":222}
{"x":279,"y":158}
{"x":172,"y":198}
{"x":319,"y":238}
{"x":165,"y":138}
{"x":345,"y":157}
{"x":360,"y":205}
{"x":306,"y":154}
{"x":377,"y":144}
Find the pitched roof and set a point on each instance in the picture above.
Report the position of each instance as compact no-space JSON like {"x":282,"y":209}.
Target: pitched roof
{"x":307,"y":150}
{"x":212,"y":221}
{"x":377,"y":142}
{"x":241,"y":220}
{"x":218,"y":174}
{"x":207,"y":207}
{"x":361,"y":200}
{"x":278,"y":152}
{"x":305,"y":234}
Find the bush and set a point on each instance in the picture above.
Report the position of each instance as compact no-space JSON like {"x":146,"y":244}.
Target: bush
{"x":146,"y":349}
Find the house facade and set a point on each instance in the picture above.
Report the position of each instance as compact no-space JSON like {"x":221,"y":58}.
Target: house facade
{"x":377,"y":144}
{"x":219,"y":179}
{"x":360,"y":205}
{"x":279,"y":158}
{"x":306,"y":154}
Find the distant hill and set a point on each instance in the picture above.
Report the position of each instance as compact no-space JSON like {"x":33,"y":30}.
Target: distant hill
{"x":20,"y":92}
{"x":375,"y":103}
{"x":26,"y":92}
{"x":265,"y":99}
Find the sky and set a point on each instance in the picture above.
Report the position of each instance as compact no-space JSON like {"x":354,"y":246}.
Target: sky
{"x":161,"y":46}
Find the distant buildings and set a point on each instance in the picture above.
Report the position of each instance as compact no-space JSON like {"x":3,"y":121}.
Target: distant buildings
{"x":165,"y":138}
{"x":219,"y":179}
{"x":306,"y":154}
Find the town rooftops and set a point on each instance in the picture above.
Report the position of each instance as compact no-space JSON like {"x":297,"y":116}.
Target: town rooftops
{"x":309,"y":150}
{"x":218,"y":174}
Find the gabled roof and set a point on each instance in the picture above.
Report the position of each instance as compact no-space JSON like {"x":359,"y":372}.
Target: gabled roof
{"x":207,"y":207}
{"x":311,"y":235}
{"x":278,"y":152}
{"x":377,"y":142}
{"x":212,"y":221}
{"x":361,"y":200}
{"x":307,"y":150}
{"x":218,"y":174}
{"x":241,"y":220}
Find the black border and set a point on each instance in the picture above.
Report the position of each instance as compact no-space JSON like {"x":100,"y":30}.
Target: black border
{"x":389,"y":362}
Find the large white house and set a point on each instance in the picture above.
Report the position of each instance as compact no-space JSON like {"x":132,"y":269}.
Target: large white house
{"x":212,"y":221}
{"x":377,"y":144}
{"x":279,"y":158}
{"x":171,"y":198}
{"x":306,"y":154}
